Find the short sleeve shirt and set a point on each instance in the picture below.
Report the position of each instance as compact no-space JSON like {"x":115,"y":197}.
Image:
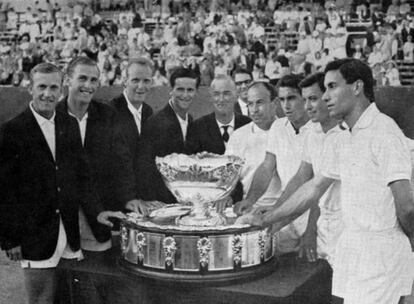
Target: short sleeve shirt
{"x":367,"y":159}
{"x":287,"y":146}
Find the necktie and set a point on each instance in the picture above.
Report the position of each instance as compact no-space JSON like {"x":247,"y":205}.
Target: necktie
{"x":225,"y":135}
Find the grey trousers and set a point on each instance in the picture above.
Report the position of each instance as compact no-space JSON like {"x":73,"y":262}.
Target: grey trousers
{"x":40,"y":285}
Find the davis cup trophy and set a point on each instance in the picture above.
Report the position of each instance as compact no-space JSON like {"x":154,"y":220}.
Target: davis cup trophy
{"x":190,"y":242}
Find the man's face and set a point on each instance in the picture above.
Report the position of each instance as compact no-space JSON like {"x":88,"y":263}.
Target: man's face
{"x":338,"y":96}
{"x":83,"y":83}
{"x":314,"y":105}
{"x":138,"y":83}
{"x":242,"y":82}
{"x":46,"y":90}
{"x":223,"y":93}
{"x":183,"y":93}
{"x":261,"y":107}
{"x":292,"y":104}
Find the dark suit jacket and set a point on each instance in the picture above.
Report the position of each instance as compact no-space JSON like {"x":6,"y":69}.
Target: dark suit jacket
{"x":108,"y":156}
{"x":128,"y":129}
{"x":205,"y":134}
{"x":161,"y":136}
{"x":237,"y":109}
{"x":37,"y":190}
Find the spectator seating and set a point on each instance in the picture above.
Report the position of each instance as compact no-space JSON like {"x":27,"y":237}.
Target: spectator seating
{"x":273,"y":34}
{"x":8,"y":36}
{"x":406,"y":70}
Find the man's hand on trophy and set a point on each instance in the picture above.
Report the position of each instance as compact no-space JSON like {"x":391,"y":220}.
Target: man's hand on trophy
{"x":223,"y":204}
{"x":243,"y":207}
{"x":251,"y":219}
{"x":262,"y":210}
{"x":104,"y":216}
{"x":143,"y":207}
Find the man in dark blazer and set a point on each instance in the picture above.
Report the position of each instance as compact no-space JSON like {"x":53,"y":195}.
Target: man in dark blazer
{"x":109,"y":160}
{"x":132,"y":114}
{"x":211,"y":132}
{"x":242,"y":79}
{"x":166,"y":133}
{"x":44,"y":179}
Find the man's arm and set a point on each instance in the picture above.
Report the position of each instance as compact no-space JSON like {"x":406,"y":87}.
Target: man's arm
{"x":308,"y":246}
{"x":404,"y":205}
{"x":260,"y":183}
{"x":12,"y":212}
{"x":123,"y":167}
{"x":304,"y":174}
{"x":304,"y":198}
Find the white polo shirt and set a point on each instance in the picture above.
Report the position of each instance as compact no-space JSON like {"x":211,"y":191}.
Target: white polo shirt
{"x":330,"y":224}
{"x":249,"y":142}
{"x":372,"y":254}
{"x":287,"y":146}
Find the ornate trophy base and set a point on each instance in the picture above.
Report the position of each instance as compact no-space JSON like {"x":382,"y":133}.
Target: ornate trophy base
{"x":200,"y":279}
{"x":197,"y":255}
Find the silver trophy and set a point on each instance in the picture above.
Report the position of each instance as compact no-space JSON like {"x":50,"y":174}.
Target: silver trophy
{"x":200,"y":180}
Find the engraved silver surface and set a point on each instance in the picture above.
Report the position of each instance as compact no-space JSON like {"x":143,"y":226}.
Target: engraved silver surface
{"x":169,"y":246}
{"x":199,"y":180}
{"x":204,"y":248}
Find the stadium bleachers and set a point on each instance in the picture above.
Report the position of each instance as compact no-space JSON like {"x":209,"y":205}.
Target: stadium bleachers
{"x":406,"y":70}
{"x":273,"y":34}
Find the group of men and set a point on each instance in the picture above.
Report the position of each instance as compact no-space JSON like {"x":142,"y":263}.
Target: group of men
{"x":65,"y":163}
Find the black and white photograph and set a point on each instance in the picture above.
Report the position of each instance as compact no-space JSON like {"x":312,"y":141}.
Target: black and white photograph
{"x":206,"y":152}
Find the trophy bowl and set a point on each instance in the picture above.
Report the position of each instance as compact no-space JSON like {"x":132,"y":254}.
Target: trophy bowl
{"x":200,"y":180}
{"x":189,"y":243}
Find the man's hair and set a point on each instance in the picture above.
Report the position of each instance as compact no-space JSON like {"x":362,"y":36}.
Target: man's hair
{"x":290,"y":81}
{"x":223,"y":77}
{"x":184,"y":73}
{"x":81,"y":60}
{"x":241,"y":71}
{"x":352,"y":70}
{"x":142,"y":61}
{"x":267,"y":86}
{"x":45,"y":68}
{"x":317,"y":78}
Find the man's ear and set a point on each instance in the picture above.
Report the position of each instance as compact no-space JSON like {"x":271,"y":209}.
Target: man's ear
{"x":358,"y":87}
{"x":30,"y":89}
{"x":66,"y":80}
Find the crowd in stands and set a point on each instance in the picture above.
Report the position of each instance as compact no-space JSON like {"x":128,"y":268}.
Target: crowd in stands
{"x":211,"y":37}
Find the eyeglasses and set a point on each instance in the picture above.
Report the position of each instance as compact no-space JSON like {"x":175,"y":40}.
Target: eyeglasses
{"x":226,"y":94}
{"x":245,"y":82}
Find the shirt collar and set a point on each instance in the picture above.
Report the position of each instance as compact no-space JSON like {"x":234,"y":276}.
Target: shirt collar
{"x":256,"y":130}
{"x":318,"y":129}
{"x":242,"y":103}
{"x":39,"y":118}
{"x":306,"y":126}
{"x":131,"y":107}
{"x":231,"y":123}
{"x":84,"y":118}
{"x":178,"y":116}
{"x":367,"y":117}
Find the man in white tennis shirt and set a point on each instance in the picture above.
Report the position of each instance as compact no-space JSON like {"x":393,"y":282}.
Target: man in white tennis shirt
{"x":325,"y":220}
{"x":373,"y":260}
